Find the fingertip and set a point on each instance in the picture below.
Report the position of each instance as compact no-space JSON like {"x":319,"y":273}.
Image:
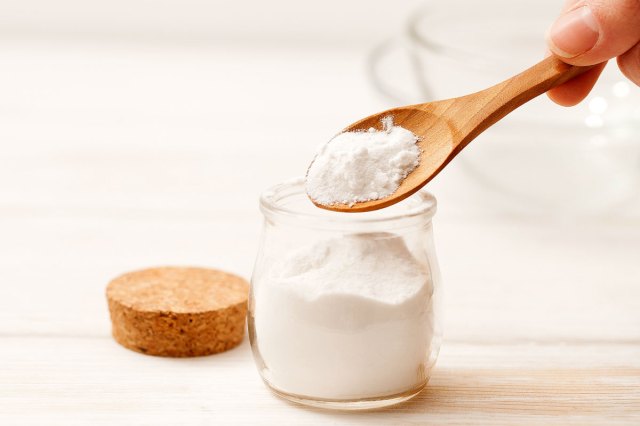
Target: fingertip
{"x":629,"y":64}
{"x":575,"y":90}
{"x":562,"y":98}
{"x":574,"y":32}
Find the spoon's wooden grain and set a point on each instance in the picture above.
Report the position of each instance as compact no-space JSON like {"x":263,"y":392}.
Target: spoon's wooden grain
{"x":446,"y":127}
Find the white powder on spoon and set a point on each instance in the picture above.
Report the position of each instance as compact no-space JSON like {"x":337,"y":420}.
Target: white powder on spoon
{"x":346,"y":318}
{"x":362,"y":166}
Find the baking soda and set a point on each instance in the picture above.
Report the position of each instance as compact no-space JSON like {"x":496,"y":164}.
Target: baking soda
{"x":345,"y":318}
{"x":362,"y":166}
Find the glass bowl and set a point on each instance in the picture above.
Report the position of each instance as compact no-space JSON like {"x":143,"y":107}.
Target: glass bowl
{"x":542,"y":157}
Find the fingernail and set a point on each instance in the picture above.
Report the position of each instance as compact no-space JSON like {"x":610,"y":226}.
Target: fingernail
{"x":574,"y":33}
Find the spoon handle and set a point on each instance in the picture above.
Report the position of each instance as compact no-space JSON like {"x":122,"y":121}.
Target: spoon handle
{"x":492,"y":104}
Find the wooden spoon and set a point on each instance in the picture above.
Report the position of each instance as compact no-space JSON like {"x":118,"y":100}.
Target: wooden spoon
{"x":446,"y":127}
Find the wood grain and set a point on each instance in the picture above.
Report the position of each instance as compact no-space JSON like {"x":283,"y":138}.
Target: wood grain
{"x":93,"y":379}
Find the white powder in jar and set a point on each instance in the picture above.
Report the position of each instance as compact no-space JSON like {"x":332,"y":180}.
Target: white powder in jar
{"x":362,"y":166}
{"x":346,"y":318}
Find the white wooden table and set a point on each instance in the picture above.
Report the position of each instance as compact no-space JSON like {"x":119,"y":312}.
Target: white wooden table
{"x":115,"y":157}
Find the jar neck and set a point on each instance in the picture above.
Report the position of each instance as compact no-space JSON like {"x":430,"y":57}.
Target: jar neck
{"x":287,"y":204}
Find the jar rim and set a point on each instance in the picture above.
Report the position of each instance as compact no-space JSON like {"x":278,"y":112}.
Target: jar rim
{"x":421,"y":205}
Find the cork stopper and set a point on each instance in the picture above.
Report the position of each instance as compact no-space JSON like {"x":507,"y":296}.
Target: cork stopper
{"x":178,"y":312}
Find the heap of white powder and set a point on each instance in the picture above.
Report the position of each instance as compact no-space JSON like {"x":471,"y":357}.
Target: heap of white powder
{"x":345,"y":318}
{"x":362,"y":166}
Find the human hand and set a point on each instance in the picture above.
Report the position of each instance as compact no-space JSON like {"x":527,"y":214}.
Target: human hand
{"x":591,"y":32}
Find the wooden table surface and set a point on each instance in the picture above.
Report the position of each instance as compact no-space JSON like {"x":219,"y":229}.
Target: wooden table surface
{"x":115,"y":157}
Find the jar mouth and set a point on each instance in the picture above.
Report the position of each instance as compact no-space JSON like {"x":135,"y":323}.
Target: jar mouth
{"x":289,"y":200}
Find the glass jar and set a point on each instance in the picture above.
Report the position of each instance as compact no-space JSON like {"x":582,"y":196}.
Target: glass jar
{"x":343,"y":309}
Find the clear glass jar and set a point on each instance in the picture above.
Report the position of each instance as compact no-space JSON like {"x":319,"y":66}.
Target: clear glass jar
{"x":344,"y":308}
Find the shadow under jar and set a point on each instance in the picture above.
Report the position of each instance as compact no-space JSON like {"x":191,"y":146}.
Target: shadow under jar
{"x":344,"y":308}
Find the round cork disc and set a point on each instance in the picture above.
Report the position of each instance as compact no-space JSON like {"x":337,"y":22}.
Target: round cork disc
{"x":178,"y":312}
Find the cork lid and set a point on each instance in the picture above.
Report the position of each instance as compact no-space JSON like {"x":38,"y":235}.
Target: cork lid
{"x":172,"y":311}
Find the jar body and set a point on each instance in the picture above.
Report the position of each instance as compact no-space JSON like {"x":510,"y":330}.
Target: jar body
{"x":346,"y":315}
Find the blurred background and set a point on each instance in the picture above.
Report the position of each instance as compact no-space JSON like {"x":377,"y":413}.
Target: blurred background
{"x":138,"y":133}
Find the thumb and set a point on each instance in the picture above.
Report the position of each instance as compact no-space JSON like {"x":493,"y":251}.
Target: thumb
{"x":594,"y":31}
